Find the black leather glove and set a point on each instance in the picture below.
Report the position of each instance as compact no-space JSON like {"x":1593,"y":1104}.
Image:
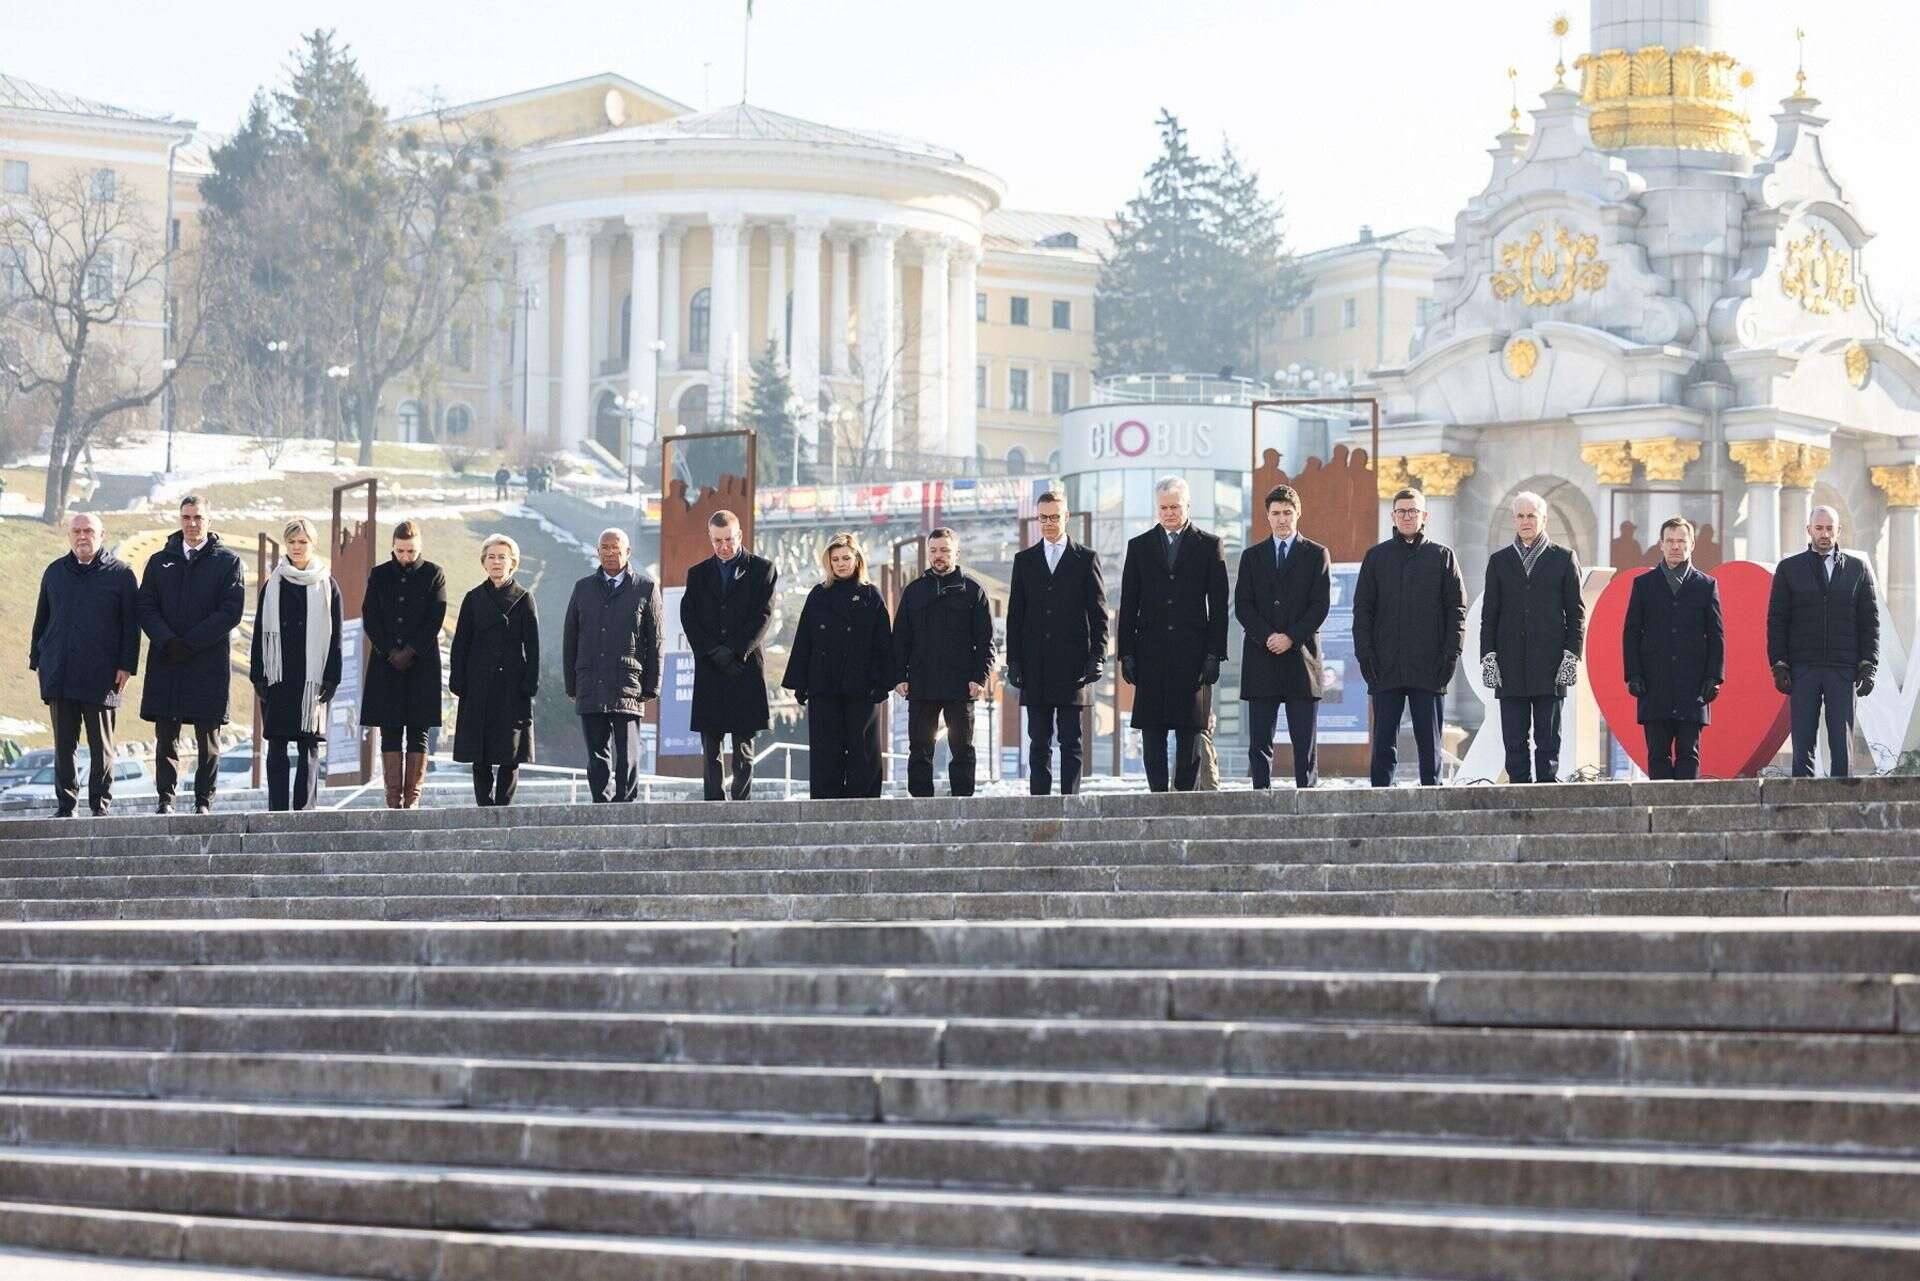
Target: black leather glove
{"x":1095,"y":670}
{"x":800,"y":697}
{"x":1016,"y":677}
{"x":720,"y":656}
{"x":1783,"y":678}
{"x":176,"y":650}
{"x":1709,"y":692}
{"x":1863,"y":679}
{"x":326,"y":693}
{"x":1636,"y":687}
{"x":401,"y":658}
{"x":1210,"y":670}
{"x":1128,"y":670}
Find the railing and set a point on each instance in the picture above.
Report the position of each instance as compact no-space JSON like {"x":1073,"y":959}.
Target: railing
{"x":1178,"y":389}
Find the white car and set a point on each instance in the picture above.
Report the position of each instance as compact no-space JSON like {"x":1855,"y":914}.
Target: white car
{"x":24,"y":767}
{"x":130,"y":781}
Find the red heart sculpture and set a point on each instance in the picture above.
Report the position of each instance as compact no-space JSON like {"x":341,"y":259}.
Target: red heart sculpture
{"x":1750,"y":718}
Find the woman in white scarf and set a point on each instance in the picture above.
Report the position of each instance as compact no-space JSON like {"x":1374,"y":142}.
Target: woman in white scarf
{"x":296,"y":664}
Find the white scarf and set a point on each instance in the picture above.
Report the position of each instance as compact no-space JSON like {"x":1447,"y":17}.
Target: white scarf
{"x":319,"y":633}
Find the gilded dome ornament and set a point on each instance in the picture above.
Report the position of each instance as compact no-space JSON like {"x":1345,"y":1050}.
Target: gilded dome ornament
{"x":1522,"y":357}
{"x":1859,"y":365}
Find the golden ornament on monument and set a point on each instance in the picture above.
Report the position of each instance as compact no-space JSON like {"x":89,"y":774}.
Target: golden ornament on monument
{"x":1859,"y":365}
{"x":1818,"y":276}
{"x":1544,"y":275}
{"x":1523,"y":357}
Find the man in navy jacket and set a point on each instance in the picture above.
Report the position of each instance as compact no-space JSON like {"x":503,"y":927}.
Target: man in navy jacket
{"x":1823,"y":641}
{"x":86,"y":647}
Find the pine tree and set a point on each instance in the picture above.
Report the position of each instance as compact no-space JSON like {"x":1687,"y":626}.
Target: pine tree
{"x":768,"y":396}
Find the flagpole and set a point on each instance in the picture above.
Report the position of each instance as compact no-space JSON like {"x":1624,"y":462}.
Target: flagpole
{"x":746,"y":49}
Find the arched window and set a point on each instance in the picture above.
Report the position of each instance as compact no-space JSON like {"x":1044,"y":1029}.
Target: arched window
{"x":459,"y":421}
{"x":626,"y":328}
{"x":1016,"y":460}
{"x":700,"y":322}
{"x":609,"y":424}
{"x":693,"y":408}
{"x":410,"y":421}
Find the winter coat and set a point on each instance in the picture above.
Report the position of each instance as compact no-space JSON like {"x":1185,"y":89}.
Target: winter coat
{"x":1291,"y":600}
{"x":404,"y":608}
{"x":1827,"y":624}
{"x":280,"y":709}
{"x":1171,"y":622}
{"x":198,"y":600}
{"x":86,"y":629}
{"x":494,"y":670}
{"x":737,"y":620}
{"x":1409,"y":615}
{"x":843,"y":646}
{"x":1056,"y":625}
{"x":1676,"y":644}
{"x":1532,"y":620}
{"x":610,"y":645}
{"x":942,"y":637}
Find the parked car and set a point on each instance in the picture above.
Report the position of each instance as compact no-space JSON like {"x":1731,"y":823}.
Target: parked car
{"x":24,"y":767}
{"x":130,"y":781}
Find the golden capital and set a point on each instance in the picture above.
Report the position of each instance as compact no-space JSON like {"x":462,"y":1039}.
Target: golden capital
{"x":1765,"y":461}
{"x":1440,"y":474}
{"x":1390,"y":474}
{"x":1656,"y":97}
{"x":1808,"y":462}
{"x":1664,"y":457}
{"x":1901,"y":483}
{"x":1609,"y":460}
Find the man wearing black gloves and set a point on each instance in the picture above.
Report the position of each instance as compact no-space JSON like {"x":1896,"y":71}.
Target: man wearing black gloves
{"x":726,"y":614}
{"x":1173,"y":634}
{"x":1675,"y":653}
{"x":1409,"y":624}
{"x":1823,"y":641}
{"x":942,"y":652}
{"x":1056,"y":642}
{"x":1281,"y":598}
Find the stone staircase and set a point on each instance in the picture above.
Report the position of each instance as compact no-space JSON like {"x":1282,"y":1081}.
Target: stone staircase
{"x":1591,"y":1033}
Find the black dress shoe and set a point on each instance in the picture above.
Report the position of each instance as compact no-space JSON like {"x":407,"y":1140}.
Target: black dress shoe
{"x":164,"y":807}
{"x":63,"y":813}
{"x":203,"y":807}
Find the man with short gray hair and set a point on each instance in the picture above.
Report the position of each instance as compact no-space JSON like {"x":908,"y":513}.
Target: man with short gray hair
{"x":86,"y":647}
{"x":610,"y":659}
{"x":1532,"y":626}
{"x":1823,"y":641}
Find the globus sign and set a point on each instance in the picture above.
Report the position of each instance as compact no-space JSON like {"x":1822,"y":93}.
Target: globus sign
{"x":1102,"y":437}
{"x":1134,"y":438}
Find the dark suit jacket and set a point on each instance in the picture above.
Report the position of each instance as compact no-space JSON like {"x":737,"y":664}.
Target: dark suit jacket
{"x":1676,"y":644}
{"x":739,"y":620}
{"x":1293,"y":599}
{"x":1056,"y":624}
{"x":1827,"y":624}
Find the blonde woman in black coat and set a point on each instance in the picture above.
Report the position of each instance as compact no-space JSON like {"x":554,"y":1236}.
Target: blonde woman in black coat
{"x":840,"y":669}
{"x":495,"y":673}
{"x":296,"y":664}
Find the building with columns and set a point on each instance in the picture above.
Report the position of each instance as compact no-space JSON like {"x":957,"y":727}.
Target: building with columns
{"x":657,"y":252}
{"x":1648,"y":311}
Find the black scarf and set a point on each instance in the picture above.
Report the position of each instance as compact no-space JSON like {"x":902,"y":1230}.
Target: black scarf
{"x":1676,"y":576}
{"x":1528,"y":555}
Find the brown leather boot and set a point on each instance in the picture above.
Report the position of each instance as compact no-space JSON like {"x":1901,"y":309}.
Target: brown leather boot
{"x":390,"y":768}
{"x":410,"y":785}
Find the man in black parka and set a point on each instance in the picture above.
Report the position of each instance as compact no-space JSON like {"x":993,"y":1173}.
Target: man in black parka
{"x":726,"y":613}
{"x":1675,"y":653}
{"x":193,"y":594}
{"x":943,"y":655}
{"x":1281,"y":598}
{"x":1409,"y":625}
{"x":1532,"y":626}
{"x":1056,"y":642}
{"x":86,"y":647}
{"x":1823,"y":641}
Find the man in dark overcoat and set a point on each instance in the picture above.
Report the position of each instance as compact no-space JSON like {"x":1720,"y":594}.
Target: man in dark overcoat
{"x":86,"y":647}
{"x":1823,"y":641}
{"x":1172,"y":634}
{"x":1409,"y":624}
{"x":1532,"y":626}
{"x":1056,"y":642}
{"x":1675,"y":653}
{"x":943,"y":655}
{"x":1281,"y":598}
{"x":726,"y":614}
{"x":193,"y":594}
{"x":610,"y":658}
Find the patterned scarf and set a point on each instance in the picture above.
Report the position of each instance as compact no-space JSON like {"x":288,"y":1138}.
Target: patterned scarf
{"x":1676,"y":575}
{"x":1527,"y":554}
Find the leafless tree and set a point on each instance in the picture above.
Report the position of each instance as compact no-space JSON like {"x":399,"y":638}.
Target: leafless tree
{"x":860,"y":428}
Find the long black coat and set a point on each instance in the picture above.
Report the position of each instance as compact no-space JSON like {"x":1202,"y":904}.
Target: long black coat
{"x":1409,"y":615}
{"x":1530,"y":620}
{"x":1171,"y":622}
{"x":280,"y":704}
{"x":405,"y":607}
{"x":610,"y":645}
{"x":1828,"y":624}
{"x":1676,"y":644}
{"x":1290,"y":599}
{"x":738,"y":619}
{"x":1056,"y":625}
{"x":843,"y":646}
{"x":199,"y":601}
{"x":86,"y":629}
{"x":494,"y":670}
{"x":942,"y":637}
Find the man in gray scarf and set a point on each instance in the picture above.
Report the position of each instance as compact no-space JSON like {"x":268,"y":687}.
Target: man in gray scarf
{"x":1532,"y":624}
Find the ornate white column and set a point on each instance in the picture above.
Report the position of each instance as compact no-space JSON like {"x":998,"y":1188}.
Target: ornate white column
{"x":1902,"y":486}
{"x":840,"y":311}
{"x":606,"y":334}
{"x":963,"y":415}
{"x":879,"y":356}
{"x":723,"y":315}
{"x":931,"y":402}
{"x":777,"y":289}
{"x":1613,"y":465}
{"x":575,"y":331}
{"x":804,"y":361}
{"x":534,"y":256}
{"x":1765,"y":463}
{"x":747,"y":348}
{"x":672,"y":237}
{"x":643,"y":389}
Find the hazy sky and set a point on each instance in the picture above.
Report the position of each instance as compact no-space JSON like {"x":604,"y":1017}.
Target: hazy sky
{"x":1375,"y":111}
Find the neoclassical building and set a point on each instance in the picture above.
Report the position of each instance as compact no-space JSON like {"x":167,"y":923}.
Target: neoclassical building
{"x":659,"y":251}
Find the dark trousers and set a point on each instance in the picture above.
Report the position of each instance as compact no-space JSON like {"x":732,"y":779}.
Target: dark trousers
{"x":491,"y":790}
{"x":1303,"y":725}
{"x":1042,"y":723}
{"x":1673,"y":749}
{"x":1388,"y":705}
{"x":305,"y":770}
{"x":403,"y":738}
{"x":717,"y":771}
{"x":923,"y":731}
{"x":1540,"y":718}
{"x":1186,"y":757}
{"x":1814,"y":687}
{"x":69,"y":718}
{"x":166,"y":762}
{"x":613,"y":756}
{"x":843,"y":747}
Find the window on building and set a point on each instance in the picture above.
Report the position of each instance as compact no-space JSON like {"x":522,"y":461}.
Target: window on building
{"x":1016,"y":460}
{"x":1017,"y":311}
{"x":459,"y":421}
{"x":980,"y":307}
{"x":1350,"y":313}
{"x":100,"y":279}
{"x":460,"y":345}
{"x":409,"y":418}
{"x":1017,"y":397}
{"x":979,"y":386}
{"x":1422,"y":311}
{"x":1062,"y":314}
{"x":104,"y":184}
{"x":13,"y":275}
{"x":1062,"y":393}
{"x":1306,"y":322}
{"x":700,"y":322}
{"x":693,"y":408}
{"x":13,"y":177}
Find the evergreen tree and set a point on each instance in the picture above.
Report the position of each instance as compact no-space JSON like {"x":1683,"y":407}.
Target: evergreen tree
{"x":768,"y":396}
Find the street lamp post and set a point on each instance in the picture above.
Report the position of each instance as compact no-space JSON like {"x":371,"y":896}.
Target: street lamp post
{"x":529,"y":299}
{"x":634,"y":409}
{"x":167,"y":367}
{"x":337,"y":375}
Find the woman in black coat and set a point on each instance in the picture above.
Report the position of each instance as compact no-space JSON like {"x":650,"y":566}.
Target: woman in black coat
{"x":296,"y":664}
{"x":840,"y":669}
{"x":1674,"y":647}
{"x":495,"y":672}
{"x":406,"y":604}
